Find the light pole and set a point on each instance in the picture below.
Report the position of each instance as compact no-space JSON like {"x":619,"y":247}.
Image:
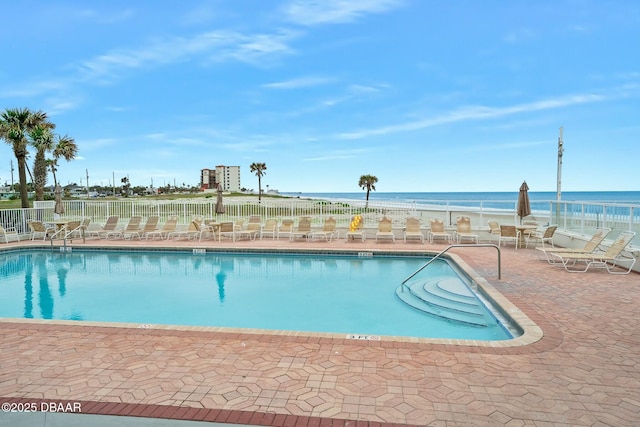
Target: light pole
{"x":559,"y":186}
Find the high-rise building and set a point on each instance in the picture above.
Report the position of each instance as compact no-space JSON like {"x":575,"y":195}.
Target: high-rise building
{"x":227,"y":176}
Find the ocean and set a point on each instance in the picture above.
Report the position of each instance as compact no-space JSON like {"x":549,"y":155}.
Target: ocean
{"x":622,"y":197}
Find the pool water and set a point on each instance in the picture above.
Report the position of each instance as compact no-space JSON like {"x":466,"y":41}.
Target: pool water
{"x":296,"y":292}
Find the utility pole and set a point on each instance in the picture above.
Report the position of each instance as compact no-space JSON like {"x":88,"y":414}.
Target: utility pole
{"x":11,"y":163}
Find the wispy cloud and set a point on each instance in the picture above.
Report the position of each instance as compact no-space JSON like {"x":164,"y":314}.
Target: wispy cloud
{"x":314,"y":12}
{"x":209,"y":47}
{"x":299,"y":83}
{"x":476,"y":113}
{"x":160,"y":52}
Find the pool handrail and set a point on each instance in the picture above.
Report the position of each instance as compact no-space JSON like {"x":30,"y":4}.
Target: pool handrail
{"x":477,"y":245}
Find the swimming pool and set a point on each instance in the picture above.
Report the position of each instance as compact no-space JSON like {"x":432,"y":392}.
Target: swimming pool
{"x":359,"y":296}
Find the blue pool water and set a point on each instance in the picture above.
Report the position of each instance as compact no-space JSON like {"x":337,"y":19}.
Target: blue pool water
{"x":308,"y":293}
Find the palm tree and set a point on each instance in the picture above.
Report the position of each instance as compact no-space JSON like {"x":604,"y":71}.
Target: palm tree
{"x":259,"y":169}
{"x":64,"y":148}
{"x":367,"y":182}
{"x":15,"y":124}
{"x":41,"y":138}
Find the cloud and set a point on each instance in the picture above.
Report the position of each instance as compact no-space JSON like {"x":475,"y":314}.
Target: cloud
{"x":476,"y":113}
{"x":215,"y":46}
{"x":314,"y":12}
{"x":299,"y":83}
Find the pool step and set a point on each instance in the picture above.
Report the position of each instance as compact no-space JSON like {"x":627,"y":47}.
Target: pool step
{"x":447,"y":298}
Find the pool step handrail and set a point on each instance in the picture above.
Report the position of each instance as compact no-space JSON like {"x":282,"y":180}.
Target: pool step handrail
{"x":62,"y":236}
{"x":476,"y":245}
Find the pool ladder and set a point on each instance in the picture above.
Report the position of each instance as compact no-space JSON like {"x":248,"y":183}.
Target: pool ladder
{"x":477,"y":245}
{"x":65,"y":233}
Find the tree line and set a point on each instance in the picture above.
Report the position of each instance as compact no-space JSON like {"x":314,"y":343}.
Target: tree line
{"x":23,"y":129}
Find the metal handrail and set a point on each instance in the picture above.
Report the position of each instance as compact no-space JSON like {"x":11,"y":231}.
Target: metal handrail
{"x":477,"y":245}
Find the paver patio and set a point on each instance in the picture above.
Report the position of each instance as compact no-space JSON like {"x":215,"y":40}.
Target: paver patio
{"x":584,"y":371}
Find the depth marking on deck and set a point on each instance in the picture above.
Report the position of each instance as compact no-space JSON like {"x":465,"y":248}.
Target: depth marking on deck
{"x":363,"y":337}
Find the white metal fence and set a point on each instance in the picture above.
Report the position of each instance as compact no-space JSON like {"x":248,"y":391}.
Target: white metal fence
{"x":575,"y":217}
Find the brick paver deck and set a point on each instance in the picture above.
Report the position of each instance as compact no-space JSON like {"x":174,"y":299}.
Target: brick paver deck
{"x":584,"y":371}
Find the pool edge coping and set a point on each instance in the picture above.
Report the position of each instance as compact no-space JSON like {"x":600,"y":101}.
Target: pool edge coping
{"x":531,"y":332}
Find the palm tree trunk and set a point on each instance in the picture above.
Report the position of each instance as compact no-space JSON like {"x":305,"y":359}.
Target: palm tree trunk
{"x":22,"y":175}
{"x":259,"y":189}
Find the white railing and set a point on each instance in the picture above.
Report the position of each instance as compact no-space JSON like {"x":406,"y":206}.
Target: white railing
{"x":574,"y":217}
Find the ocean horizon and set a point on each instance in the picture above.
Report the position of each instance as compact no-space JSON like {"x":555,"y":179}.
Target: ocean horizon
{"x":622,"y":197}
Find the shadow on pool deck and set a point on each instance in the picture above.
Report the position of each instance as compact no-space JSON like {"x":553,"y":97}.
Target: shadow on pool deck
{"x":584,"y":371}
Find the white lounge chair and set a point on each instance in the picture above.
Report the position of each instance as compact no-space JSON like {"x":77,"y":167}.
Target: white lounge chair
{"x":9,"y":234}
{"x":608,"y":260}
{"x":286,"y":228}
{"x":191,"y":232}
{"x":270,"y":227}
{"x":494,"y":231}
{"x":385,"y":230}
{"x":412,"y":230}
{"x":437,"y":231}
{"x":168,"y":227}
{"x":592,"y":245}
{"x":252,"y":230}
{"x":356,"y":229}
{"x":110,"y":225}
{"x":328,"y":232}
{"x":133,"y":226}
{"x":463,"y":230}
{"x":303,"y":230}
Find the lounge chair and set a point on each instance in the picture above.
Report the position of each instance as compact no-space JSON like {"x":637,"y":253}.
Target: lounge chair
{"x":463,"y":230}
{"x":437,"y":231}
{"x":591,"y":246}
{"x":40,"y":229}
{"x":543,"y":236}
{"x":385,"y":230}
{"x":109,"y":226}
{"x":133,"y":226}
{"x":412,"y":230}
{"x":356,"y":229}
{"x":494,"y":231}
{"x":509,"y":233}
{"x":168,"y":227}
{"x":150,"y":226}
{"x":286,"y":228}
{"x":191,"y":232}
{"x":252,"y":230}
{"x":607,"y":260}
{"x":303,"y":230}
{"x":270,"y":227}
{"x":9,"y":232}
{"x":328,"y":232}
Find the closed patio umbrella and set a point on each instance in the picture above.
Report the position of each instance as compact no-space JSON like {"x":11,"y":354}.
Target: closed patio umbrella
{"x":219,"y":205}
{"x":58,"y":208}
{"x":524,"y":207}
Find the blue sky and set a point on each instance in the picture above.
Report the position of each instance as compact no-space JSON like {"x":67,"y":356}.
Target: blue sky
{"x":458,"y":95}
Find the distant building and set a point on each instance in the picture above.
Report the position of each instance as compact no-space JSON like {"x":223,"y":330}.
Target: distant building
{"x":227,"y":176}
